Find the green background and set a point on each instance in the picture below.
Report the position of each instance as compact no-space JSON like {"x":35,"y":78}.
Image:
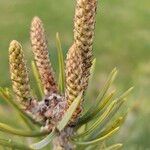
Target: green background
{"x":122,"y":40}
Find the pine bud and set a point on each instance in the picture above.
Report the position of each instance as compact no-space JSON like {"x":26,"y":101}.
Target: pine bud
{"x":73,"y":74}
{"x":19,"y":74}
{"x":84,"y":24}
{"x":73,"y":77}
{"x":41,"y":55}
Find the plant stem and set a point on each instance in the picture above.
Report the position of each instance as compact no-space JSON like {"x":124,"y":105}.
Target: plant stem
{"x":62,"y":140}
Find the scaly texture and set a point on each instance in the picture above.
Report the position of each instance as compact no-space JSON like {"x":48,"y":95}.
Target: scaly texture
{"x":84,"y":24}
{"x":79,"y":58}
{"x":40,"y":50}
{"x":19,"y":74}
{"x":73,"y":77}
{"x":50,"y":110}
{"x":73,"y":74}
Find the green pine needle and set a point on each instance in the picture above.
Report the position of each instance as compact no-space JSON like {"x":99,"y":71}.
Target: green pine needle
{"x":120,"y":101}
{"x":101,"y":139}
{"x":14,"y":145}
{"x":61,"y":64}
{"x":6,"y":95}
{"x":8,"y":129}
{"x":97,"y":106}
{"x":37,"y":78}
{"x":117,"y":123}
{"x":114,"y":147}
{"x":68,"y":114}
{"x":98,"y":121}
{"x":44,"y":142}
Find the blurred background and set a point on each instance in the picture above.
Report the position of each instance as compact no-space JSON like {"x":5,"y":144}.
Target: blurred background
{"x":122,"y":40}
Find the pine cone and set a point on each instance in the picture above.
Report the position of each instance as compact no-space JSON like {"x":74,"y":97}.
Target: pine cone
{"x":40,"y":50}
{"x":84,"y":24}
{"x":19,"y":74}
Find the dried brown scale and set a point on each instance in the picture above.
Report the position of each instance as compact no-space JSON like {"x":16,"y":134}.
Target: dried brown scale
{"x":48,"y":112}
{"x":84,"y":23}
{"x":19,"y":74}
{"x":52,"y":109}
{"x":40,"y":50}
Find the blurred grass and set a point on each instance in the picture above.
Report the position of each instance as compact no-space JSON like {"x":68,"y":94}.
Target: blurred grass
{"x":122,"y":40}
